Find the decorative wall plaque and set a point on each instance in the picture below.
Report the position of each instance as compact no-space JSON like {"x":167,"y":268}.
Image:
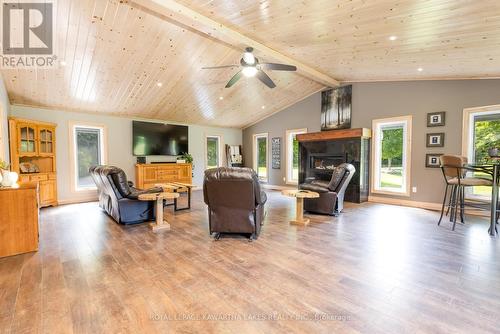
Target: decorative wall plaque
{"x":276,"y":153}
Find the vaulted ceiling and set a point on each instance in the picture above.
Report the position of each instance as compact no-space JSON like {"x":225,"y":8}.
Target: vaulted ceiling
{"x":144,"y":57}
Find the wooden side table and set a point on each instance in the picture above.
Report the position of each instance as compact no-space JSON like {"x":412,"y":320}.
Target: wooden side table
{"x":177,"y":187}
{"x":160,"y":223}
{"x":299,"y":209}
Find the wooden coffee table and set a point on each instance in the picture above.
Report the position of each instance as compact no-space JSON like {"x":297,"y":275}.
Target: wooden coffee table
{"x":177,"y":187}
{"x":299,"y":209}
{"x":160,"y":223}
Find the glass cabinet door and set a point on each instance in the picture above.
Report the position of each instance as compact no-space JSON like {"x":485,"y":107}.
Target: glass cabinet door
{"x":46,"y":141}
{"x":27,"y":139}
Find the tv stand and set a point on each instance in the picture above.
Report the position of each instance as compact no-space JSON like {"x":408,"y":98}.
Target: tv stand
{"x":147,"y":175}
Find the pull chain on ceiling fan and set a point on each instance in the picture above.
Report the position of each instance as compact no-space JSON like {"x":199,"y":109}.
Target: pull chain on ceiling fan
{"x":250,"y":67}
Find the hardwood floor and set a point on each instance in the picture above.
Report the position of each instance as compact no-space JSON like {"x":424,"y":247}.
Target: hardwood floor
{"x":374,"y":269}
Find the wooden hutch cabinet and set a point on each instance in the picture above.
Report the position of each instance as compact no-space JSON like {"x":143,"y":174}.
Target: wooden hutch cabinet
{"x":33,"y":156}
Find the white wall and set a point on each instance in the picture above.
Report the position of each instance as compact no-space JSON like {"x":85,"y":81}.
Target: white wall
{"x":4,"y":126}
{"x":119,"y":131}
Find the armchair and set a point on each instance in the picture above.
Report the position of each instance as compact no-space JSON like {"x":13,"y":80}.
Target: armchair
{"x":235,"y":201}
{"x":331,"y":194}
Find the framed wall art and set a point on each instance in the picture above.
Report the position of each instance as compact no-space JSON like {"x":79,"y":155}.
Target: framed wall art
{"x":276,"y":153}
{"x":435,"y":139}
{"x":436,"y":118}
{"x":336,"y":108}
{"x":432,"y":160}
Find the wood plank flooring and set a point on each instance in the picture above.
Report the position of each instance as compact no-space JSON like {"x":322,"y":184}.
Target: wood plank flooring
{"x":374,"y":269}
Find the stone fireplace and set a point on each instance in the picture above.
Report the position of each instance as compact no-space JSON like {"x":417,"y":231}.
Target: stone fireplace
{"x":320,"y":152}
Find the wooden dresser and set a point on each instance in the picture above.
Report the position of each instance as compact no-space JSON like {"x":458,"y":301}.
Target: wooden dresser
{"x":34,"y":143}
{"x":147,"y":175}
{"x":19,"y":219}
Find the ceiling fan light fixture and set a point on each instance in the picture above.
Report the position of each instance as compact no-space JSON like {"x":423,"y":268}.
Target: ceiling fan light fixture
{"x":249,"y":71}
{"x":249,"y":58}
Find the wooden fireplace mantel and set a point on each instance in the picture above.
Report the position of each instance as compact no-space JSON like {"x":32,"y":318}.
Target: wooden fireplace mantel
{"x":335,"y":134}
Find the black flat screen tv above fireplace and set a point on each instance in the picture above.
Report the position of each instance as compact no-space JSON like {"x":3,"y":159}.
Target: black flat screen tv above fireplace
{"x":159,"y":139}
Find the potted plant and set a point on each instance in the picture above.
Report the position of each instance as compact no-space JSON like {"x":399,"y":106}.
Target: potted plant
{"x":188,"y":158}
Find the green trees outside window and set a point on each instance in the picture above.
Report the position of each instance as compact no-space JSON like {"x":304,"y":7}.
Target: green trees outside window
{"x":88,"y":150}
{"x":486,"y":136}
{"x":262,"y":157}
{"x":212,"y":152}
{"x":392,"y":158}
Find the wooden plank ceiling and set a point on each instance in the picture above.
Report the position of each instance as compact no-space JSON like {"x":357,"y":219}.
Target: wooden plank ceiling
{"x":117,"y":54}
{"x":350,"y":39}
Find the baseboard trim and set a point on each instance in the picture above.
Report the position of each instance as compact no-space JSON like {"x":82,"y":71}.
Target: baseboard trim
{"x":78,"y":200}
{"x":405,"y":202}
{"x":422,"y":205}
{"x":276,"y":187}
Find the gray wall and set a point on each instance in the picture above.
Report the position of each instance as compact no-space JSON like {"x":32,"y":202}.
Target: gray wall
{"x":4,"y":126}
{"x":389,"y":99}
{"x":119,"y":133}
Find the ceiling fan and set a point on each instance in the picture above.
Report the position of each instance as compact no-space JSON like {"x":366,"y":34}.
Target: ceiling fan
{"x":250,"y":67}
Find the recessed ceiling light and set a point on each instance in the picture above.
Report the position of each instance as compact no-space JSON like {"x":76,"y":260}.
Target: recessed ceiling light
{"x":62,"y":62}
{"x":263,"y":107}
{"x":420,"y":69}
{"x":393,"y":38}
{"x":221,"y":97}
{"x":159,"y":84}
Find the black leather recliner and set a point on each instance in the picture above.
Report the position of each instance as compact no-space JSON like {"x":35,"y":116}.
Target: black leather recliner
{"x":235,"y":201}
{"x":331,"y":194}
{"x":119,"y":198}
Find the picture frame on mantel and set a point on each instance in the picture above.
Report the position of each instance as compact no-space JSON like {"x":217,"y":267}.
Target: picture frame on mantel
{"x":436,"y":119}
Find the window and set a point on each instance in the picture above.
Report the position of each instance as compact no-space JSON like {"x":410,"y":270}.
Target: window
{"x":481,"y":132}
{"x":213,"y":151}
{"x":392,"y":155}
{"x":87,"y":143}
{"x":292,"y":155}
{"x":260,"y":150}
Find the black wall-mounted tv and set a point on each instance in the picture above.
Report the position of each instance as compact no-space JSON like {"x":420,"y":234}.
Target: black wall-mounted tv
{"x":159,"y":139}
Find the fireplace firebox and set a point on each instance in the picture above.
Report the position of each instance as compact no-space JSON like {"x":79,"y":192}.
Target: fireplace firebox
{"x":321,"y":152}
{"x":324,"y":162}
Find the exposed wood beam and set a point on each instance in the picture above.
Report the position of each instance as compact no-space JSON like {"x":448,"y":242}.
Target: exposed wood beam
{"x":194,"y":20}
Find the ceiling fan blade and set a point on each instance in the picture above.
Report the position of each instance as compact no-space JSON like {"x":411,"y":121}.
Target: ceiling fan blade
{"x":265,"y":79}
{"x":217,"y":67}
{"x":233,"y":80}
{"x":278,"y":67}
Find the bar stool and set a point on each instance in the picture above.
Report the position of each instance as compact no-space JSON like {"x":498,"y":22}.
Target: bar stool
{"x":455,"y":176}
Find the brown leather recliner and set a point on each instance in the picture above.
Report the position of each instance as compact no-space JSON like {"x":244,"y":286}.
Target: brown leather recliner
{"x":331,"y":194}
{"x":235,"y":201}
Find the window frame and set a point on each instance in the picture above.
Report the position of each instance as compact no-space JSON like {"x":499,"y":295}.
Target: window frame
{"x":220,"y":161}
{"x":376,"y":150}
{"x":254,"y":153}
{"x":75,"y":189}
{"x":289,"y":155}
{"x":468,"y":137}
